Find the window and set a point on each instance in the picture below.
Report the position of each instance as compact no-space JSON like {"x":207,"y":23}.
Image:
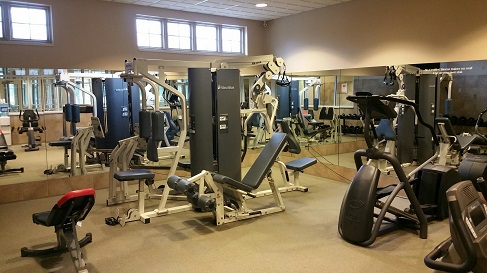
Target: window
{"x":231,"y":40}
{"x":178,"y":35}
{"x":169,"y":34}
{"x":25,"y":22}
{"x":149,"y":33}
{"x":206,"y":38}
{"x":1,"y":23}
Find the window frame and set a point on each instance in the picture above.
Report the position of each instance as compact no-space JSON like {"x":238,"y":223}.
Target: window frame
{"x":7,"y":28}
{"x":162,"y":32}
{"x":217,"y":37}
{"x":193,"y":36}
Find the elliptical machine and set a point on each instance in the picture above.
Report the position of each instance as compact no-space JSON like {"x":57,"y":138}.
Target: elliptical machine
{"x":356,"y":221}
{"x":474,"y":165}
{"x":30,"y":125}
{"x":465,"y":250}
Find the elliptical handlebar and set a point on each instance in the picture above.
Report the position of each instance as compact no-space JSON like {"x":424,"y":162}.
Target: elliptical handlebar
{"x":401,"y":101}
{"x":477,"y":125}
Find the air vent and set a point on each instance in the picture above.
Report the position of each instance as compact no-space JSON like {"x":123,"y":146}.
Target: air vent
{"x":470,"y":192}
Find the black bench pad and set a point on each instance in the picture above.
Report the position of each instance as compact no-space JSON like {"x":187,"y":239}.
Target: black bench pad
{"x":40,"y":218}
{"x":261,"y":166}
{"x":185,"y":164}
{"x":301,"y":163}
{"x":60,"y":143}
{"x":138,"y":174}
{"x":465,"y":141}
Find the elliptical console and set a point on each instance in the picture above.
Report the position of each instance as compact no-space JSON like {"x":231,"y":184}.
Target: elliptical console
{"x":466,"y":249}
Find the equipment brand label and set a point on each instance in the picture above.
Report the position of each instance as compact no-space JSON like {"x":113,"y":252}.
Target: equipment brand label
{"x":228,"y":87}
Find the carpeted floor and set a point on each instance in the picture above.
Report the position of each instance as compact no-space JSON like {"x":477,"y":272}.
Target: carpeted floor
{"x":304,"y":238}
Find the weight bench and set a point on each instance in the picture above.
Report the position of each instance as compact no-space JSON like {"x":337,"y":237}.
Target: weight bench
{"x":5,"y":155}
{"x":226,"y":197}
{"x":72,"y":208}
{"x":297,"y":166}
{"x":143,"y":176}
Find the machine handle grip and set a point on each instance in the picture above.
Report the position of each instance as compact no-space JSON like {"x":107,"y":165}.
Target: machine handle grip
{"x":470,"y":254}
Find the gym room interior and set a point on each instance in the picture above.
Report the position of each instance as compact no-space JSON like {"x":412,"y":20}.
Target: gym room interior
{"x":153,"y":127}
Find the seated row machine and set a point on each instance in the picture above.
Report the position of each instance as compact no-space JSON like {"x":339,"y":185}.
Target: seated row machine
{"x":73,"y":207}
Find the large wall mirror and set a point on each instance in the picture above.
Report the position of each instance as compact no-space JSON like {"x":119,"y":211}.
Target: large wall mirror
{"x":453,"y":89}
{"x":456,"y":90}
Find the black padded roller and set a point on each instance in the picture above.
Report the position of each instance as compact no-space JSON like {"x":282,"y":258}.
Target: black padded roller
{"x":206,"y":203}
{"x":145,"y":123}
{"x":172,"y":180}
{"x":306,"y":104}
{"x":158,"y":125}
{"x":186,"y":187}
{"x":68,"y":113}
{"x":76,"y":114}
{"x":316,"y":104}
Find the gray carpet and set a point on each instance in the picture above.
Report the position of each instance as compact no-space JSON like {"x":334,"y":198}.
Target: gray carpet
{"x":304,"y":238}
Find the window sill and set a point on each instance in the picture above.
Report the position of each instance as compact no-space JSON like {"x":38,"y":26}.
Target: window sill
{"x":189,"y":52}
{"x":27,"y":43}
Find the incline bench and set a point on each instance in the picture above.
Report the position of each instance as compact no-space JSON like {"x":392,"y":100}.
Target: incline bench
{"x":227,"y":196}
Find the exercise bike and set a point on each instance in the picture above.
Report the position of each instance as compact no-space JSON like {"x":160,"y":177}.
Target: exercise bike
{"x":465,"y":250}
{"x":30,"y":125}
{"x":356,"y":220}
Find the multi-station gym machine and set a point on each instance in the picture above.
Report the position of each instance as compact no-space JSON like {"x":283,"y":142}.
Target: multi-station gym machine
{"x":214,"y":116}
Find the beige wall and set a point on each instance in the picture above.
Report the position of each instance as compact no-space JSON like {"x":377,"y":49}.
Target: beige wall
{"x":364,"y":33}
{"x":101,"y":35}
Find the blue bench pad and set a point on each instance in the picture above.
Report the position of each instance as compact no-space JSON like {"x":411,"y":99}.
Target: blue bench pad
{"x":301,"y":163}
{"x":137,"y":174}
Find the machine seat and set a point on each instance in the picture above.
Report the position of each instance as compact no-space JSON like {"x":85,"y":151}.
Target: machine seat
{"x":137,"y":174}
{"x":184,"y":164}
{"x":7,"y":154}
{"x":301,"y":164}
{"x":60,"y":143}
{"x":40,"y":218}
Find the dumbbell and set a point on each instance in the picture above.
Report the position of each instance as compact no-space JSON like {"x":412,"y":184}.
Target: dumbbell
{"x":454,"y":120}
{"x":471,"y":121}
{"x":345,"y":129}
{"x":462,"y":120}
{"x":358,"y":129}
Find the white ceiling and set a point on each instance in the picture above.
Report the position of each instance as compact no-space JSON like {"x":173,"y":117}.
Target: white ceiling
{"x":238,"y":8}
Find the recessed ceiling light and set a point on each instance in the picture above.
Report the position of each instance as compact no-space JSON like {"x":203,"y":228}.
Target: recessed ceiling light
{"x":261,"y":5}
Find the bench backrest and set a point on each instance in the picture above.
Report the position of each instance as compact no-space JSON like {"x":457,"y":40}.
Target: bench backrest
{"x":265,"y":160}
{"x":448,"y":126}
{"x":74,"y":205}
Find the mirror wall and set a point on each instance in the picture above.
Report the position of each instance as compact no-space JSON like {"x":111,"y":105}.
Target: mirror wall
{"x":23,"y":88}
